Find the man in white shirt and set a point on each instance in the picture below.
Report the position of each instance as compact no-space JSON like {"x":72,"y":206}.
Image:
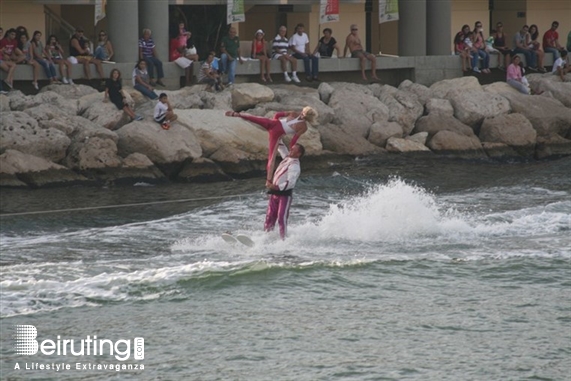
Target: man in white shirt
{"x":299,"y":44}
{"x":281,"y":187}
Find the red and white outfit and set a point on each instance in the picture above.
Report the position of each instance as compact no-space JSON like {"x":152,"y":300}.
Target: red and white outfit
{"x":284,"y":179}
{"x":276,"y":127}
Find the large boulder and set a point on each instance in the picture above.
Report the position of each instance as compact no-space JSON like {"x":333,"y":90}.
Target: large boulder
{"x":434,"y":123}
{"x":500,"y":88}
{"x":452,"y":143}
{"x":4,"y":103}
{"x":106,"y":114}
{"x":325,"y":90}
{"x":248,"y":95}
{"x":405,"y":145}
{"x":548,"y":116}
{"x":437,"y":106}
{"x":18,"y":168}
{"x":471,"y":107}
{"x":175,"y":145}
{"x":511,"y":129}
{"x":382,"y":131}
{"x":216,"y":101}
{"x":404,"y":108}
{"x":21,"y":132}
{"x":356,"y":111}
{"x":66,"y":106}
{"x":552,"y":146}
{"x":203,"y":170}
{"x":441,"y":89}
{"x":93,"y":154}
{"x":70,"y":91}
{"x":422,"y":93}
{"x":337,"y":139}
{"x":552,"y":84}
{"x":134,"y":168}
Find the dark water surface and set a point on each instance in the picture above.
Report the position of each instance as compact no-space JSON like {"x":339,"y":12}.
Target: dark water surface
{"x":394,"y":268}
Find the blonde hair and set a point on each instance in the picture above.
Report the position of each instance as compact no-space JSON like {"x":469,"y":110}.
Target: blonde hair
{"x":310,"y":115}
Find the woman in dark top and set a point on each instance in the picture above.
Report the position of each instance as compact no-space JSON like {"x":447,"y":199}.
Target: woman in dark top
{"x":500,"y":45}
{"x":326,"y":45}
{"x":533,"y":43}
{"x":113,"y":92}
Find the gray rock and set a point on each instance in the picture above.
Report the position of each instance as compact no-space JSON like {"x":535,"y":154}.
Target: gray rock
{"x":21,"y":132}
{"x":34,"y":171}
{"x":547,"y":116}
{"x":511,"y":129}
{"x":442,"y":88}
{"x":325,"y":90}
{"x":337,"y":139}
{"x":552,"y":146}
{"x":216,"y":101}
{"x":45,"y":112}
{"x":175,"y":145}
{"x":248,"y":95}
{"x":471,"y":107}
{"x":420,"y":137}
{"x":422,"y":93}
{"x":552,"y":84}
{"x":4,"y":103}
{"x":357,"y":111}
{"x":382,"y":131}
{"x":70,"y":91}
{"x":106,"y":114}
{"x":447,"y":142}
{"x":499,"y":150}
{"x":404,"y":145}
{"x":434,"y":123}
{"x":92,"y":154}
{"x":203,"y":170}
{"x":403,"y":107}
{"x":439,"y":107}
{"x":500,"y":88}
{"x":66,"y":106}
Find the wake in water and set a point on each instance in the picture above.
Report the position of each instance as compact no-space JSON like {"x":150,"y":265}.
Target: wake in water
{"x":392,"y":221}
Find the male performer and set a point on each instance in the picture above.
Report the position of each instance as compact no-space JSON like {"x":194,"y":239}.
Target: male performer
{"x":281,"y":187}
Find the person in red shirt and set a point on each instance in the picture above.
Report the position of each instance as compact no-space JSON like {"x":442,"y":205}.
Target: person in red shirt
{"x":177,"y":55}
{"x":6,"y":63}
{"x":551,"y":41}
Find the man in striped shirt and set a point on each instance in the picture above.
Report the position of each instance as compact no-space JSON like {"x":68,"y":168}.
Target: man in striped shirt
{"x":281,"y":187}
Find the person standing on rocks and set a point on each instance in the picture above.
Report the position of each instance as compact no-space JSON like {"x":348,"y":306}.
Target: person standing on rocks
{"x":283,"y":123}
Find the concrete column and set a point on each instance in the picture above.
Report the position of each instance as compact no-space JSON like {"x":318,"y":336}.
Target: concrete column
{"x":412,"y":27}
{"x":154,"y":14}
{"x":438,"y":19}
{"x":122,"y":26}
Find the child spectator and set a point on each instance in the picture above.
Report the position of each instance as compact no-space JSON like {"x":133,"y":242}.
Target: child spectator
{"x":114,"y":93}
{"x":561,"y":66}
{"x":164,"y":113}
{"x":55,"y":52}
{"x":38,"y":55}
{"x":209,"y":75}
{"x":479,"y":50}
{"x":463,"y":50}
{"x":142,"y":81}
{"x":24,"y":49}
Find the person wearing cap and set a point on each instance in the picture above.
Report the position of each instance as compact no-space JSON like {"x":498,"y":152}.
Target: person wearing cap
{"x":230,"y":47}
{"x":79,"y":48}
{"x":299,"y":44}
{"x":260,"y":52}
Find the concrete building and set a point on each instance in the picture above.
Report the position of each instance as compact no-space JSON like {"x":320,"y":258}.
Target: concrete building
{"x":426,"y":27}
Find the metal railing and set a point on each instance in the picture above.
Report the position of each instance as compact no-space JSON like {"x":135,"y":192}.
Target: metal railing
{"x":56,"y":25}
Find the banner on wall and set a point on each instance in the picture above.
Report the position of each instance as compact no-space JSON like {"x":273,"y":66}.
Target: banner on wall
{"x":99,"y":10}
{"x":388,"y":10}
{"x":329,"y":11}
{"x":235,"y":11}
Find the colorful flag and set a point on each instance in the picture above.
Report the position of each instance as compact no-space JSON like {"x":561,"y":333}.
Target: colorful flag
{"x":388,"y":10}
{"x":99,"y":10}
{"x":329,"y":11}
{"x":235,"y":11}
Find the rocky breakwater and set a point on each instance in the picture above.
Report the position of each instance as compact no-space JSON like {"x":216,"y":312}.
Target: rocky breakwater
{"x":67,"y":134}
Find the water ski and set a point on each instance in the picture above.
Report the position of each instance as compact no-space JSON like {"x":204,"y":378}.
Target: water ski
{"x":232,"y":240}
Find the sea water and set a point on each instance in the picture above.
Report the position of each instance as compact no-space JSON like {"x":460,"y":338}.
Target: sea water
{"x":394,"y":268}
